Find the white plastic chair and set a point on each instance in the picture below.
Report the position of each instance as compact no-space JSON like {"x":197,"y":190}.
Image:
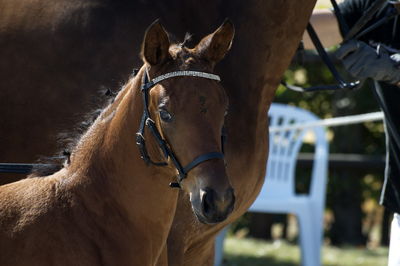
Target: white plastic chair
{"x":278,"y":192}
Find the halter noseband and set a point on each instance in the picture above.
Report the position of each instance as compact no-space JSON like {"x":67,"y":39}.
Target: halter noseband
{"x":146,"y":121}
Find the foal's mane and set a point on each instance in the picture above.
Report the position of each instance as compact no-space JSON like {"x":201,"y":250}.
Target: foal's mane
{"x":66,"y":141}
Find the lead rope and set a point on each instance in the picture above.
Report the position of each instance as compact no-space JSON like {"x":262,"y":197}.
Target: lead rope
{"x":326,"y":59}
{"x":328,"y":62}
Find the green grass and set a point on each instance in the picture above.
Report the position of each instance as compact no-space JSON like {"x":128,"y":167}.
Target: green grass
{"x":251,"y":252}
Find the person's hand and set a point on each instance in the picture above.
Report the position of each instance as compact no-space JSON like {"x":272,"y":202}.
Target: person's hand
{"x":363,"y":61}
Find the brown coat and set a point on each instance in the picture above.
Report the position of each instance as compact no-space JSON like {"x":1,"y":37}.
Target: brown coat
{"x":100,"y":40}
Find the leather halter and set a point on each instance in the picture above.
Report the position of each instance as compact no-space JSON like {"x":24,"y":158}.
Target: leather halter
{"x":146,"y":121}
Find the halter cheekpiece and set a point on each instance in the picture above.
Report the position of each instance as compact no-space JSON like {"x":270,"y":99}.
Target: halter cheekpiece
{"x":146,"y":121}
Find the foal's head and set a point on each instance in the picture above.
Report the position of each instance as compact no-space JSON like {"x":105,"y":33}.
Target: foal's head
{"x":189,"y":111}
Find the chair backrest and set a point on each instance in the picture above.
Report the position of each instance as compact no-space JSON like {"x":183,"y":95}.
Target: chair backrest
{"x":284,"y":147}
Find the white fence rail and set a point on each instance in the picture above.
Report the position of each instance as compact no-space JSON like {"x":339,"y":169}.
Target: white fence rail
{"x":330,"y":122}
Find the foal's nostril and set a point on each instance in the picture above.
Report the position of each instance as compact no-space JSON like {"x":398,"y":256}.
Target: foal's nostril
{"x":216,"y":206}
{"x":230,"y":197}
{"x":208,"y":201}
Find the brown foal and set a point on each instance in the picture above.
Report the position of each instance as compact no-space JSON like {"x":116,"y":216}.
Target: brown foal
{"x":107,"y":206}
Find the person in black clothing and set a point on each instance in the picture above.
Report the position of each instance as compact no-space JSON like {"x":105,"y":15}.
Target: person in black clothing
{"x":375,"y":55}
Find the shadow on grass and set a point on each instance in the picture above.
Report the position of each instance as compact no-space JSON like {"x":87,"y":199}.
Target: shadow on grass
{"x":242,"y":260}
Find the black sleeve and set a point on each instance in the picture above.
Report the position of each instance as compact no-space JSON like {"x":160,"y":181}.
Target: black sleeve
{"x":352,"y":10}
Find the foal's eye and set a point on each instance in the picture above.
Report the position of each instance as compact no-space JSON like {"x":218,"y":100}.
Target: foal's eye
{"x":165,"y":116}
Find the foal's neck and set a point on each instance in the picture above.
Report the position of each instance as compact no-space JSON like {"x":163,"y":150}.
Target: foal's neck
{"x":109,"y":176}
{"x":107,"y":151}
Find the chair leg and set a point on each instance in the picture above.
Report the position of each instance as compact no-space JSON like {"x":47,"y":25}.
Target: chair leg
{"x":318,"y":234}
{"x":219,"y":247}
{"x":309,"y":235}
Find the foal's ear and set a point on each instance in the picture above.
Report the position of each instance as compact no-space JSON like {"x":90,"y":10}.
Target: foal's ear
{"x":213,"y":47}
{"x":155,"y":44}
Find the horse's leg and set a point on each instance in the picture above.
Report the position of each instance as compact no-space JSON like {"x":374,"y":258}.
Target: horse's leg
{"x":163,"y":259}
{"x":175,"y":251}
{"x":201,"y":253}
{"x":185,"y":250}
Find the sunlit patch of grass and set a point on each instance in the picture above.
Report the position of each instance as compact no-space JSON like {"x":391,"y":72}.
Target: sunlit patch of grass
{"x":350,"y":256}
{"x":251,"y":252}
{"x":247,"y":251}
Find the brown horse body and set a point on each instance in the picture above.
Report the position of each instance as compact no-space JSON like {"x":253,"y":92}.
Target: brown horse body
{"x":106,"y":206}
{"x":101,"y":38}
{"x":267,"y":35}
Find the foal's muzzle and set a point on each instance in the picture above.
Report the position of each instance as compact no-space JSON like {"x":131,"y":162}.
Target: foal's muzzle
{"x":215,"y":207}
